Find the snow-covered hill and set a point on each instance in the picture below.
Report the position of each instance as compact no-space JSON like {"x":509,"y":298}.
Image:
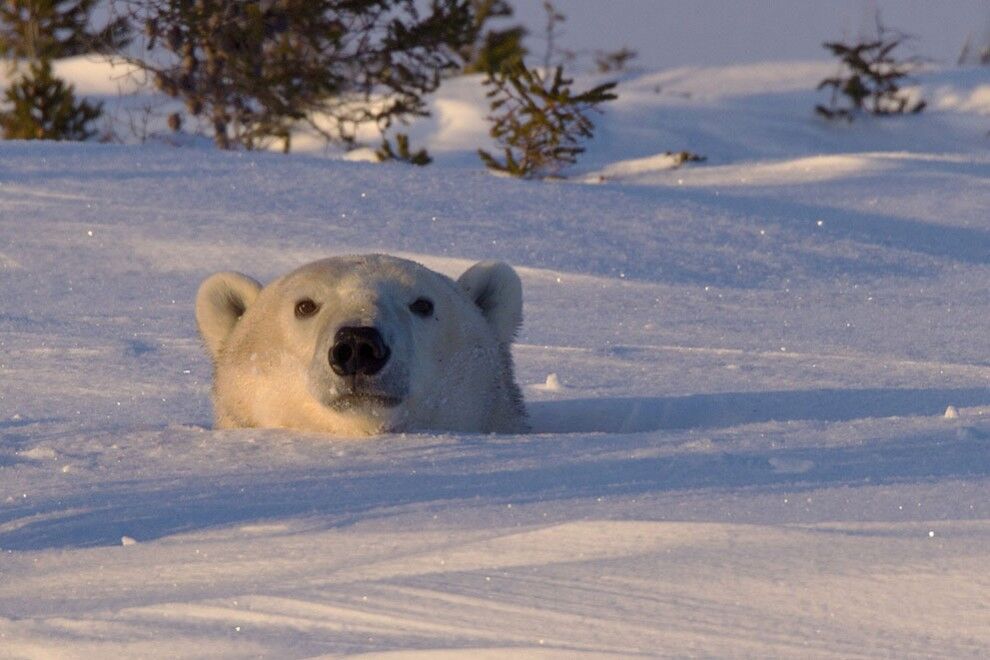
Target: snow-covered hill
{"x":738,"y":375}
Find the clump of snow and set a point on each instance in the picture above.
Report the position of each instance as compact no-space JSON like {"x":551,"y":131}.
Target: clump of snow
{"x":637,"y":166}
{"x":551,"y":384}
{"x":975,"y":100}
{"x":39,"y":453}
{"x":361,"y":155}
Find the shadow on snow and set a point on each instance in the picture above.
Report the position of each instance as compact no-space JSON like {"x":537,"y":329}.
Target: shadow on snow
{"x":641,"y":414}
{"x":575,"y":463}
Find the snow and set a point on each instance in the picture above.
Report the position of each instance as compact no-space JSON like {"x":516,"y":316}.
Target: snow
{"x":739,"y":373}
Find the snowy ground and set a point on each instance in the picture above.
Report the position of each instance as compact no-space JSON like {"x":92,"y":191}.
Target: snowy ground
{"x":738,"y":374}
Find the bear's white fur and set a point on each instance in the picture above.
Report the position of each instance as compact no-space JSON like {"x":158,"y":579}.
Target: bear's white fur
{"x":448,"y":370}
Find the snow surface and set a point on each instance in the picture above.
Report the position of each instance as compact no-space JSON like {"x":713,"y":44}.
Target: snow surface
{"x":739,"y":375}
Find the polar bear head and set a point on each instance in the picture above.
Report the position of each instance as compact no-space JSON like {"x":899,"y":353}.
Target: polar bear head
{"x":364,"y":344}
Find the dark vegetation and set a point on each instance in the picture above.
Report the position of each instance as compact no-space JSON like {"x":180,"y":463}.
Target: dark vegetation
{"x":43,"y":107}
{"x":402,"y":151}
{"x":491,"y":49}
{"x":252,"y":70}
{"x":538,"y":121}
{"x":870,"y":78}
{"x":33,"y":33}
{"x":249,"y":73}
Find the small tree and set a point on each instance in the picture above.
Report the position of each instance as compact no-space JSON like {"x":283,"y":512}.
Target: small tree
{"x":402,"y":151}
{"x":39,"y":105}
{"x":870,"y":78}
{"x":43,"y":107}
{"x":253,"y":69}
{"x":539,"y":122}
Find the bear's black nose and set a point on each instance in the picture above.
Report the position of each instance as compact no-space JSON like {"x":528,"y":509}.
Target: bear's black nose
{"x":358,"y":350}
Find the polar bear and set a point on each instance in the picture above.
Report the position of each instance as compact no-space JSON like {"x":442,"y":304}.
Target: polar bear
{"x":359,"y":345}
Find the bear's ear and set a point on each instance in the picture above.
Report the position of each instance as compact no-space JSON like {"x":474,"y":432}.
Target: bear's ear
{"x":496,"y":290}
{"x":221,"y":300}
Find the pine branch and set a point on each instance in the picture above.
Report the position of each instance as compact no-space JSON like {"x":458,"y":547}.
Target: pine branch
{"x":870,"y":80}
{"x":539,"y":123}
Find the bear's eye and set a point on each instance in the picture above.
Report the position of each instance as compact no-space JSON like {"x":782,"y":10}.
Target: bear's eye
{"x":306,"y":308}
{"x":422,"y":307}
